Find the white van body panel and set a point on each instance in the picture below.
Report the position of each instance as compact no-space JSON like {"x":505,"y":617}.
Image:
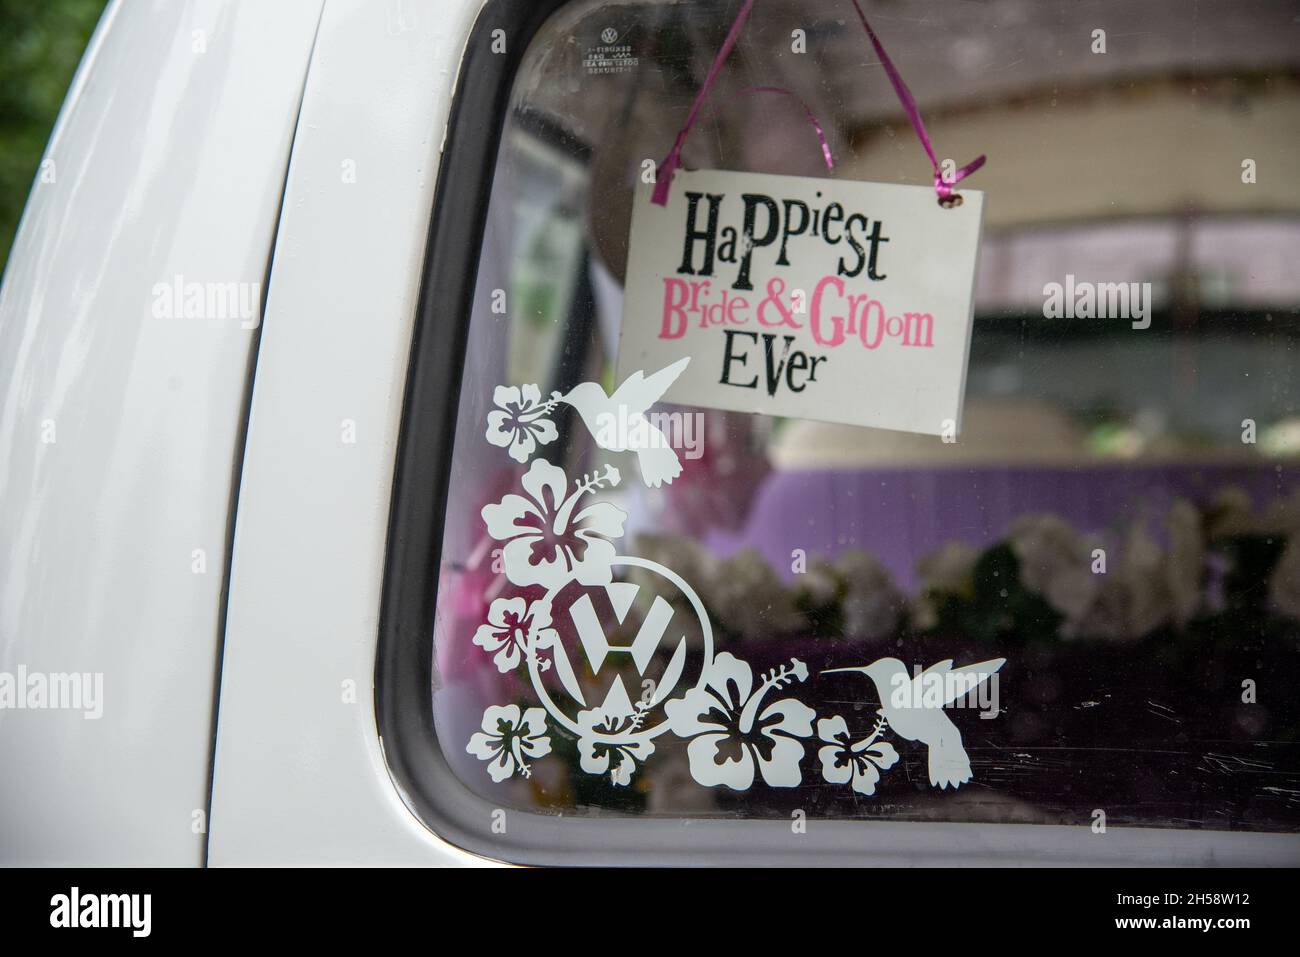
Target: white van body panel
{"x":300,"y":774}
{"x":120,"y":427}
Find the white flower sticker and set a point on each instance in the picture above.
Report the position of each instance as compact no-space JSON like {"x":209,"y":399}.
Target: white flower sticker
{"x":509,"y":738}
{"x":844,"y":761}
{"x":554,"y":537}
{"x":514,"y":630}
{"x":521,"y":422}
{"x":731,"y":733}
{"x":611,"y":742}
{"x":549,"y":539}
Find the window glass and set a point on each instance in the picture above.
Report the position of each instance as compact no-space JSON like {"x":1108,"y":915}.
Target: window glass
{"x":1119,"y":519}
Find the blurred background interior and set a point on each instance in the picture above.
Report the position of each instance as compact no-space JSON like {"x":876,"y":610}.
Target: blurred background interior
{"x":1166,"y":155}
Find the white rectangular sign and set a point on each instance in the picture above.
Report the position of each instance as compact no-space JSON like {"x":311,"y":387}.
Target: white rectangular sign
{"x":811,"y":298}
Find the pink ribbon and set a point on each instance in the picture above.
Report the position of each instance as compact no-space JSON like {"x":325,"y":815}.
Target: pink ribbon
{"x":669,"y":166}
{"x":941,"y":186}
{"x":667,"y":169}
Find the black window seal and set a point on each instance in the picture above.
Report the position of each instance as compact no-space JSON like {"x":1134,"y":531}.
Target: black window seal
{"x":404,"y":662}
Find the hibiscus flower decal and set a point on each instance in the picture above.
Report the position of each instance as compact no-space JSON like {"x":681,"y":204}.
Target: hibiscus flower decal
{"x":521,"y":420}
{"x":514,"y":630}
{"x":730,"y":731}
{"x":549,"y":539}
{"x":844,"y":761}
{"x":610,"y":742}
{"x":509,"y":738}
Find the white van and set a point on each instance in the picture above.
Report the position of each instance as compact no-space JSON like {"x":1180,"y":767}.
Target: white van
{"x":312,"y":552}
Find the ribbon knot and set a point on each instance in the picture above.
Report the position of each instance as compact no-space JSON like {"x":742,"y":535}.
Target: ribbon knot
{"x":944,"y":187}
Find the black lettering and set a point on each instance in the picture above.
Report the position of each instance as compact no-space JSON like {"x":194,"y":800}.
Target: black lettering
{"x":787,"y":231}
{"x":728,"y":357}
{"x":857,"y":247}
{"x":727,"y":251}
{"x":835,"y":215}
{"x":774,"y":366}
{"x":751,"y":242}
{"x":876,"y":240}
{"x":693,"y":234}
{"x":798,"y":363}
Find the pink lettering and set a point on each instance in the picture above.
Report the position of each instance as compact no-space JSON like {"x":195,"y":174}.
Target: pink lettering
{"x":836,"y":321}
{"x":676,"y":295}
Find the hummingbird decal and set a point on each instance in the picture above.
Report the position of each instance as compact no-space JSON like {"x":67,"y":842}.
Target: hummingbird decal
{"x":618,"y":422}
{"x":913,"y":707}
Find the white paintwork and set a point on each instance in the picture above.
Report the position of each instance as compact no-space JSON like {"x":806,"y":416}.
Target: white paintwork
{"x":300,"y":777}
{"x":167,"y":161}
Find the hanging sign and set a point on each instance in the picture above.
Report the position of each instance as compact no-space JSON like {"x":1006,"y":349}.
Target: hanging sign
{"x":803,"y":297}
